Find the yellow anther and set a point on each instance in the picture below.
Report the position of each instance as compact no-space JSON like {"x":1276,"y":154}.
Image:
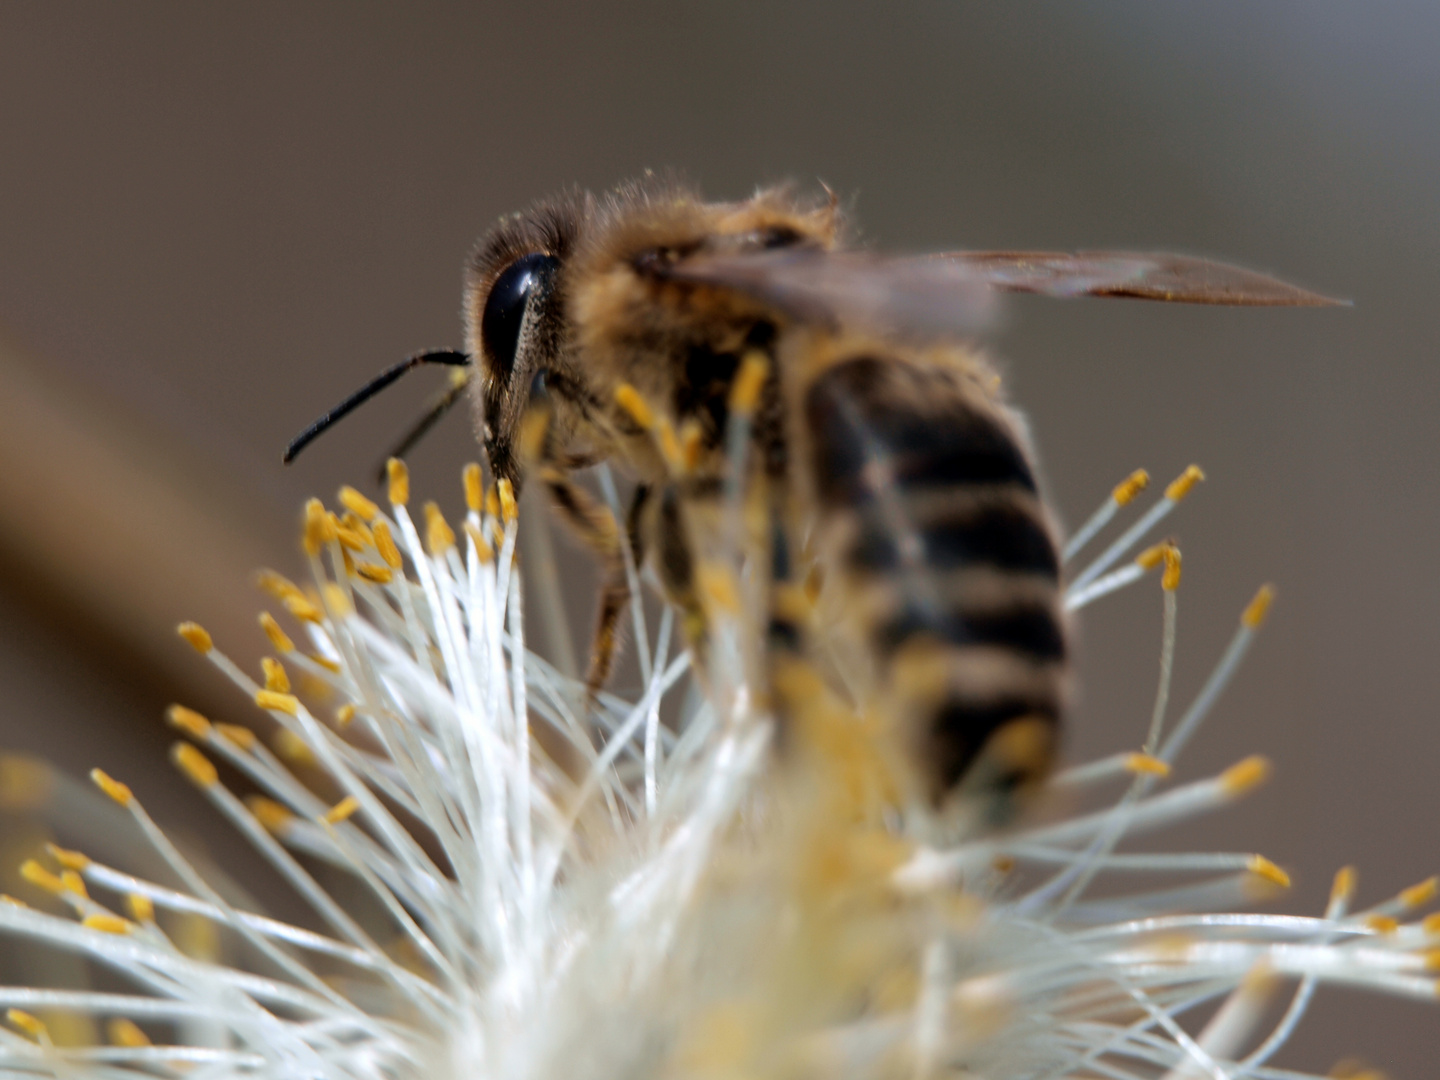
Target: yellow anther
{"x":1152,"y":557}
{"x":356,"y":525}
{"x":1421,"y":894}
{"x":717,"y":583}
{"x":358,"y":504}
{"x":286,"y":703}
{"x":277,"y":585}
{"x":492,"y":502}
{"x":1181,"y":485}
{"x":347,"y":560}
{"x":350,"y":539}
{"x":1258,"y":608}
{"x":749,"y":381}
{"x":1146,"y":765}
{"x":692,"y":437}
{"x":635,"y":406}
{"x":242,"y":737}
{"x":37,"y":875}
{"x":325,"y":662}
{"x":293,"y":748}
{"x":107,"y":923}
{"x":477,"y":537}
{"x":142,"y":908}
{"x":505,"y":492}
{"x":1262,"y":867}
{"x":380,"y":575}
{"x":1430,"y":925}
{"x":194,"y":764}
{"x":1170,"y":580}
{"x":1245,"y":775}
{"x":399,"y":477}
{"x":188,"y":721}
{"x":25,"y":782}
{"x":1431,"y":959}
{"x":318,"y":530}
{"x":336,"y":599}
{"x":6,"y":898}
{"x":277,"y":636}
{"x":73,"y":883}
{"x":342,"y":810}
{"x":127,"y":1033}
{"x":303,"y":608}
{"x":67,"y":858}
{"x":1342,"y":889}
{"x":474,"y":487}
{"x":1382,"y":924}
{"x":439,"y":537}
{"x":385,"y":545}
{"x":116,"y":790}
{"x":275,"y":677}
{"x":345,"y":714}
{"x":269,"y":812}
{"x":197,"y":636}
{"x":29,"y":1023}
{"x":1131,"y":486}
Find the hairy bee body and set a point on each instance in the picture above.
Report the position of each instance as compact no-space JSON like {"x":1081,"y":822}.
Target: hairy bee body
{"x":886,"y":459}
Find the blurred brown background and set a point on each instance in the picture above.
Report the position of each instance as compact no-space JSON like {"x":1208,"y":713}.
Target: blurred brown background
{"x":219,"y":218}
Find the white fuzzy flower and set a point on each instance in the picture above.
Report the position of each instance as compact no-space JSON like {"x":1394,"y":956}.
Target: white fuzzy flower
{"x":557,"y":895}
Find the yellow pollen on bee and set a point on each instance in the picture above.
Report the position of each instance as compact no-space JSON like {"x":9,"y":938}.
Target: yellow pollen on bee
{"x":399,"y":478}
{"x":277,"y":636}
{"x":342,"y":810}
{"x":1146,"y":765}
{"x":275,"y":677}
{"x":358,"y":504}
{"x":37,"y":875}
{"x":242,"y":737}
{"x":29,"y":1023}
{"x":635,"y":406}
{"x":385,"y":545}
{"x":68,"y":858}
{"x":749,"y":381}
{"x":1245,"y":775}
{"x":1131,"y":486}
{"x":194,"y":764}
{"x":1181,"y":485}
{"x":107,"y":923}
{"x":1170,"y":580}
{"x":269,"y":813}
{"x":280,"y":702}
{"x":197,"y":636}
{"x":380,"y":575}
{"x":124,"y":1032}
{"x":1262,"y":867}
{"x":114,"y":788}
{"x":1258,"y":608}
{"x":509,"y":509}
{"x":188,"y":721}
{"x":439,"y":537}
{"x":142,"y":908}
{"x":474,"y":488}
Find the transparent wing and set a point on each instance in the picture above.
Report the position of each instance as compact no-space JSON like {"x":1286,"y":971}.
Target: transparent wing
{"x":1142,"y":275}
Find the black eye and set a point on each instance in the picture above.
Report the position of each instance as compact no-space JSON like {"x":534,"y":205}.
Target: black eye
{"x":505,"y":307}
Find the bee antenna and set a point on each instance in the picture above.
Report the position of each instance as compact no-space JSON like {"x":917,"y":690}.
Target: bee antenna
{"x":449,"y":357}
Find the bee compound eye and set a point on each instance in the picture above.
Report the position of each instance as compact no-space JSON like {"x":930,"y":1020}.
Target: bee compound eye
{"x":505,"y":308}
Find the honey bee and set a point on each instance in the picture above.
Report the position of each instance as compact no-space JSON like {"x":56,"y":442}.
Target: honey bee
{"x":630,"y":327}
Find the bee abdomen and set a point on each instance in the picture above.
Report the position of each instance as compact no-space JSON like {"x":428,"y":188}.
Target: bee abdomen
{"x":927,"y":503}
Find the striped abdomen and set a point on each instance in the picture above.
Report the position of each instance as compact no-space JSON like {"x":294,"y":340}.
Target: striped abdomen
{"x":928,"y":513}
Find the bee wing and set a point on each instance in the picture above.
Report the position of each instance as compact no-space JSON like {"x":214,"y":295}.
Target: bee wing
{"x":908,"y":296}
{"x":1143,"y":275}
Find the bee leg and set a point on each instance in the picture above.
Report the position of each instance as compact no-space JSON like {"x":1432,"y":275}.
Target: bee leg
{"x":663,"y":519}
{"x":594,"y":525}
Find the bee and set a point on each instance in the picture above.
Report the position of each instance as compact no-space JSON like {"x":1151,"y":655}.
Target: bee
{"x":629,"y":327}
